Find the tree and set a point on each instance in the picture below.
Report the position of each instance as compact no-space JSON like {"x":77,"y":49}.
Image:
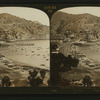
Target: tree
{"x":42,"y":73}
{"x":6,"y":81}
{"x":31,"y":78}
{"x":59,"y":64}
{"x":87,"y":81}
{"x":34,"y":80}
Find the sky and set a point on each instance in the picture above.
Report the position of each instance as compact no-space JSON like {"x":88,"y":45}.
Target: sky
{"x":27,"y":13}
{"x":80,"y":10}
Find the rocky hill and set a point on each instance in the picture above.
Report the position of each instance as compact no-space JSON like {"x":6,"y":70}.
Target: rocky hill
{"x":13,"y":28}
{"x":84,"y":27}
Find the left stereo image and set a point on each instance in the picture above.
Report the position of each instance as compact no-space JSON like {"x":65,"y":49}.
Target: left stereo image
{"x":24,"y":47}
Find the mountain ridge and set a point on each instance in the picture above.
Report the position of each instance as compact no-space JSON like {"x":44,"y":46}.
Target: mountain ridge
{"x":83,"y":26}
{"x":13,"y":27}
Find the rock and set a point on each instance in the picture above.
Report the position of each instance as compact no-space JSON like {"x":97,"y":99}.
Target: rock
{"x":42,"y":65}
{"x":10,"y":65}
{"x":33,"y":51}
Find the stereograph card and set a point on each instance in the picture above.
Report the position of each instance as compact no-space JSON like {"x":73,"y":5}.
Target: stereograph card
{"x":49,"y":48}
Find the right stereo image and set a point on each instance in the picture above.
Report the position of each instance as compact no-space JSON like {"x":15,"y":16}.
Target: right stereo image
{"x":75,"y":47}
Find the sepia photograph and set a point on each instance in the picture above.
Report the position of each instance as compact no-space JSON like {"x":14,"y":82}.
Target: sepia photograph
{"x":24,"y":47}
{"x":75,"y":47}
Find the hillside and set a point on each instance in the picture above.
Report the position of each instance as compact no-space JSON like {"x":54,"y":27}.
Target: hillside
{"x":83,"y":27}
{"x":12,"y":28}
{"x":81,"y":35}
